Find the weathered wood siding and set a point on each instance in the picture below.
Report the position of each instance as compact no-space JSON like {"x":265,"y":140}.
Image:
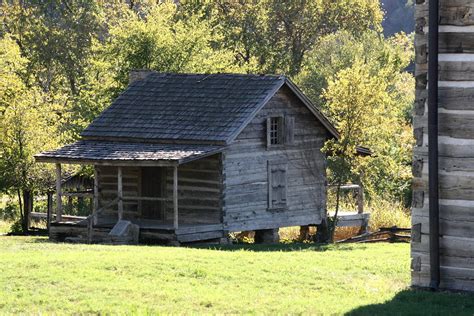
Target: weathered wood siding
{"x":245,"y":172}
{"x":108,"y":192}
{"x":199,"y":191}
{"x":456,"y":147}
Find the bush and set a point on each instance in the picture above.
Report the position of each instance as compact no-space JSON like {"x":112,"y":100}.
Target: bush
{"x":16,"y":227}
{"x":10,"y":212}
{"x":388,"y":214}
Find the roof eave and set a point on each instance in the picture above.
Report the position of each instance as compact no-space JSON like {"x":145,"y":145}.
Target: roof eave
{"x":105,"y":162}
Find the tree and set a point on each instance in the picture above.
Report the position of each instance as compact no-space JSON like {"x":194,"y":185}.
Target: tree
{"x":55,"y":37}
{"x":355,"y":100}
{"x":160,"y":42}
{"x":27,"y":127}
{"x":277,"y":35}
{"x":388,"y":173}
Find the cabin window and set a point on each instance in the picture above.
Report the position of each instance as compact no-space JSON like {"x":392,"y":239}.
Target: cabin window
{"x":279,"y":131}
{"x":276,"y":129}
{"x":277,"y":185}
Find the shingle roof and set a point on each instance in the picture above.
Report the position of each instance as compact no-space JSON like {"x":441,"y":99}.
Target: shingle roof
{"x":196,"y":107}
{"x":105,"y":151}
{"x":159,"y":109}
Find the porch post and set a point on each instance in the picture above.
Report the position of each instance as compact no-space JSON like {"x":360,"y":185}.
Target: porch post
{"x":59,"y":202}
{"x":96,"y":194}
{"x":119,"y":193}
{"x":50,"y":209}
{"x":175,"y":196}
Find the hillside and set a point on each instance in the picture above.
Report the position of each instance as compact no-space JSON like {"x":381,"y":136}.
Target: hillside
{"x":399,"y":16}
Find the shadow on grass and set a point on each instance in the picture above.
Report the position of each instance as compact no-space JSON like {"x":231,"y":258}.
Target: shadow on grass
{"x":281,"y":247}
{"x":286,"y":247}
{"x":421,"y":302}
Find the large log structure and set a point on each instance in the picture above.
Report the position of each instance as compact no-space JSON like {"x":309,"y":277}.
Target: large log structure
{"x":189,"y":157}
{"x":456,"y":150}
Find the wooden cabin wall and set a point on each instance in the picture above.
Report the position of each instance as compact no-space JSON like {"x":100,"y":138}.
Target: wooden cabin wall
{"x":199,"y":191}
{"x":245,"y":170}
{"x":456,"y":147}
{"x":108,"y":192}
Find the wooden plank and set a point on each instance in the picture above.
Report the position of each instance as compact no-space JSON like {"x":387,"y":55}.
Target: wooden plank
{"x":145,"y":198}
{"x":49,"y":209}
{"x":59,"y":203}
{"x":78,"y":194}
{"x":175,"y":197}
{"x":200,"y":236}
{"x":452,"y":12}
{"x":120,"y":193}
{"x":360,"y":199}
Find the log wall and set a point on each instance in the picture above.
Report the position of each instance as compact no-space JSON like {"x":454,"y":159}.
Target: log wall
{"x":199,"y":192}
{"x":108,"y":192}
{"x":245,"y":170}
{"x":456,"y":147}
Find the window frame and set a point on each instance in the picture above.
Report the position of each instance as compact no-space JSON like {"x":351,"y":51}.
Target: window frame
{"x":280,"y":136}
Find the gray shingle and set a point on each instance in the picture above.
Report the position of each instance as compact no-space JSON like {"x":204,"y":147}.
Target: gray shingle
{"x":89,"y":150}
{"x":196,"y":107}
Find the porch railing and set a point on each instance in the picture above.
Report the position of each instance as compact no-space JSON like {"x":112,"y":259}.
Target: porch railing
{"x":93,"y":217}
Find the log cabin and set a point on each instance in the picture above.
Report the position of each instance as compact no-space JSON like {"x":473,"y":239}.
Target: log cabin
{"x":442,"y":247}
{"x":191,"y":157}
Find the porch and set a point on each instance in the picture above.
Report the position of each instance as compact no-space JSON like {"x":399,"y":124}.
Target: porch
{"x":171,"y":201}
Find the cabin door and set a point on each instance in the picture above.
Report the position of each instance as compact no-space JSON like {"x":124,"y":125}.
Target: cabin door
{"x":153,"y":185}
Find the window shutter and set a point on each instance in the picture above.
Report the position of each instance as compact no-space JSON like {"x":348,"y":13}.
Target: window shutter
{"x":289,"y":130}
{"x":277,"y":185}
{"x":268,"y":132}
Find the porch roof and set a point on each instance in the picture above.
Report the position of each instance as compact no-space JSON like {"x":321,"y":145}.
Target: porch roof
{"x":116,"y":153}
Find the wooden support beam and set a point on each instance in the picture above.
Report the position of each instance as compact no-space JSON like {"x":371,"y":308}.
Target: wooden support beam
{"x":360,"y":199}
{"x":49,"y":209}
{"x":145,"y":198}
{"x":95,"y":206}
{"x":175,"y":197}
{"x":120,"y":192}
{"x":59,"y":202}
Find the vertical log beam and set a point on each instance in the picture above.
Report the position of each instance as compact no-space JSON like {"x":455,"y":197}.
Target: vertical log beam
{"x":59,"y":194}
{"x":360,"y":199}
{"x":49,"y":210}
{"x":95,"y":206}
{"x":120,"y":193}
{"x":175,"y":197}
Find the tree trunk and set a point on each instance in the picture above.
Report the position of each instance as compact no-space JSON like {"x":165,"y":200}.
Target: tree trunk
{"x":20,"y":203}
{"x":27,"y":209}
{"x":334,"y":219}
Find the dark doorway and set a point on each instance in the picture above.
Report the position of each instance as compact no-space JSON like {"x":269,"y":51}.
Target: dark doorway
{"x":153,"y":185}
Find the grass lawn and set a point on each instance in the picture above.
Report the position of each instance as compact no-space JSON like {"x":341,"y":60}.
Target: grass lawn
{"x":37,"y":276}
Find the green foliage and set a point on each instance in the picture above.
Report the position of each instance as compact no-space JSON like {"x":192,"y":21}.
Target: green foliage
{"x":361,"y":83}
{"x":16,"y":227}
{"x":9,"y":212}
{"x":63,"y":62}
{"x":161,"y":43}
{"x":388,"y":214}
{"x":27,"y":124}
{"x":277,"y":35}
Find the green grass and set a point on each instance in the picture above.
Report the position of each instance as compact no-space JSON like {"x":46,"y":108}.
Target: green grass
{"x":39,"y":277}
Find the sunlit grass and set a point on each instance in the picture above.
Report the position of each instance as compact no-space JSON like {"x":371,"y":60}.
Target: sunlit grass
{"x":38,"y":277}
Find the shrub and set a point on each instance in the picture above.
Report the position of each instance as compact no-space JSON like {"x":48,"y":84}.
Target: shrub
{"x":10,"y":212}
{"x":388,"y":214}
